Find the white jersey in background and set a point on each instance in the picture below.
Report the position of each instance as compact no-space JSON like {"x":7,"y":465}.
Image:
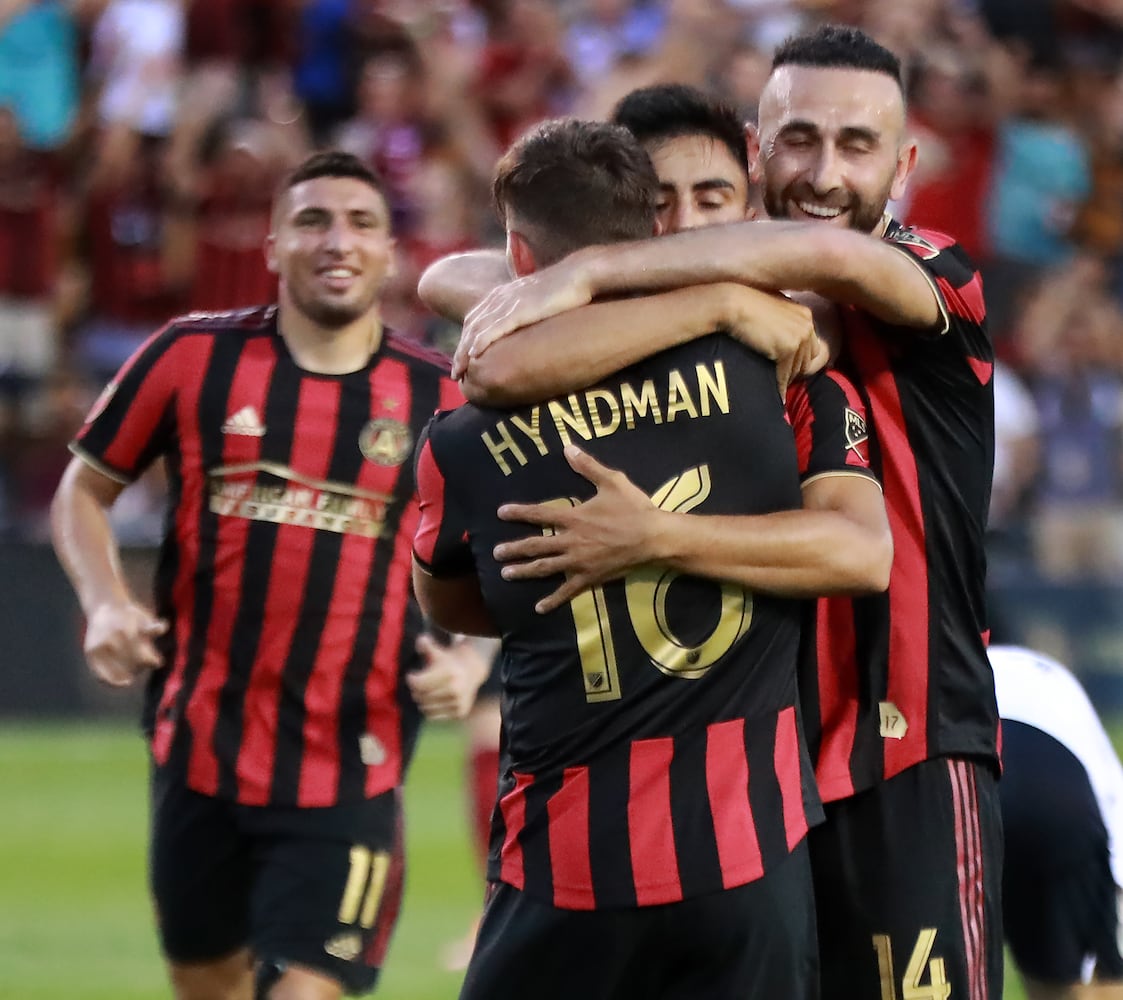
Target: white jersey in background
{"x":1036,"y":690}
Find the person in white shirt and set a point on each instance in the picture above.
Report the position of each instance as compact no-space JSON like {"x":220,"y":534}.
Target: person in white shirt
{"x":1062,"y":808}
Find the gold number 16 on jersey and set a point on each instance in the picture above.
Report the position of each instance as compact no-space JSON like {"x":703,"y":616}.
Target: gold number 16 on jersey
{"x":646,"y":591}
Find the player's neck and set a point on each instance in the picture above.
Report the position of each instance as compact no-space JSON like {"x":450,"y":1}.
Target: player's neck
{"x":330,"y":351}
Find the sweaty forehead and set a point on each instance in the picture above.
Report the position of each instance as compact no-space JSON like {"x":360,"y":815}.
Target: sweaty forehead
{"x":335,"y":194}
{"x":832,"y":100}
{"x":687,"y":160}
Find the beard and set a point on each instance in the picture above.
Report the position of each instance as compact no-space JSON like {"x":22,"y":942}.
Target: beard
{"x":334,"y":315}
{"x":862,"y":215}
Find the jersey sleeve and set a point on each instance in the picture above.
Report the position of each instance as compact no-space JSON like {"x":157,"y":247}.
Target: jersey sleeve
{"x":957,"y":284}
{"x":829,"y":421}
{"x":440,"y":545}
{"x":133,"y":420}
{"x":451,"y":394}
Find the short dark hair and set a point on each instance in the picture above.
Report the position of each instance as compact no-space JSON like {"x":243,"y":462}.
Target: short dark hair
{"x":671,"y":110}
{"x":576,"y":183}
{"x":837,"y":46}
{"x":330,"y":163}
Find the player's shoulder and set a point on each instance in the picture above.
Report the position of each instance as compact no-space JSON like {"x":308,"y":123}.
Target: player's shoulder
{"x":416,"y":354}
{"x":250,"y":322}
{"x":935,"y":249}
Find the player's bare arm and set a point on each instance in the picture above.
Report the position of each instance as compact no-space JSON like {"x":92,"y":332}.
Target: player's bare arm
{"x":453,"y":603}
{"x":119,"y":633}
{"x":842,"y":265}
{"x":839,"y":543}
{"x":454,"y":285}
{"x":579,"y":348}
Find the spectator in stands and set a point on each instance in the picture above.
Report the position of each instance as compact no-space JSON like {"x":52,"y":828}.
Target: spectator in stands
{"x":29,"y":207}
{"x":39,"y":73}
{"x":1041,"y":178}
{"x":524,"y":75}
{"x":138,"y":269}
{"x":603,"y":31}
{"x":1069,"y":335}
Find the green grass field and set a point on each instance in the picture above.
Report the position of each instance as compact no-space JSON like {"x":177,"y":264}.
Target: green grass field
{"x":74,"y":916}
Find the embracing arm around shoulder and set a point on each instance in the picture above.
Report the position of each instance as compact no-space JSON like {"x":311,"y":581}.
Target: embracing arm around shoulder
{"x":838,"y":543}
{"x":843,"y":265}
{"x":454,"y":285}
{"x":576,"y":349}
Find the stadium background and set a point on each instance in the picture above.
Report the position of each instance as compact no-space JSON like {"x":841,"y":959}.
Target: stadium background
{"x":139,"y":142}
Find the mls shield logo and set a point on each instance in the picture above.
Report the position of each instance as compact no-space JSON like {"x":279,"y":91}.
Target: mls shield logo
{"x":856,"y":432}
{"x":386,"y":442}
{"x":906,"y":237}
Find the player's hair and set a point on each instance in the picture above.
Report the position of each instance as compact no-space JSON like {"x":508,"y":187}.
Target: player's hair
{"x":836,"y":46}
{"x":330,"y":163}
{"x":672,"y":110}
{"x":572,"y":184}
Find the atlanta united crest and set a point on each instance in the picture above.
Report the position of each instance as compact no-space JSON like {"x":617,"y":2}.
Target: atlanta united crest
{"x":386,"y":442}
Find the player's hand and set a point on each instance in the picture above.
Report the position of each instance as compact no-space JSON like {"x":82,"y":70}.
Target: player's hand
{"x":519,"y":303}
{"x":780,"y":329}
{"x":119,"y":643}
{"x":600,"y":539}
{"x":445,"y":688}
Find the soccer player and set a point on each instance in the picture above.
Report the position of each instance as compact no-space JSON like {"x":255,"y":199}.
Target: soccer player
{"x":1062,"y":812}
{"x":652,"y":817}
{"x":698,"y":148}
{"x":280,"y":659}
{"x":900,"y":702}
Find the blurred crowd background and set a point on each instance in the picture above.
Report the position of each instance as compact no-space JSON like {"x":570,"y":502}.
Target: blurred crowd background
{"x":140,"y":141}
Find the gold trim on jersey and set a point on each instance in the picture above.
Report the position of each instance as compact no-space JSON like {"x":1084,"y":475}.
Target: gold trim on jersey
{"x":855,"y":473}
{"x":97,"y":465}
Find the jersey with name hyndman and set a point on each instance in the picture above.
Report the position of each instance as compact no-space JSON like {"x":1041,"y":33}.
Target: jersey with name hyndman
{"x":650,"y":723}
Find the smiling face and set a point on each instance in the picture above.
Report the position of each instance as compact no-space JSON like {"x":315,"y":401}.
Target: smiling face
{"x":831,"y":145}
{"x":701,"y":183}
{"x":331,"y":248}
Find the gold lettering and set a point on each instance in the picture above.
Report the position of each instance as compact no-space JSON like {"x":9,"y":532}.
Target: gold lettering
{"x":712,"y":387}
{"x":678,"y":397}
{"x":639,"y":406}
{"x":531,"y":429}
{"x":571,"y":419}
{"x":505,"y":443}
{"x":596,"y":396}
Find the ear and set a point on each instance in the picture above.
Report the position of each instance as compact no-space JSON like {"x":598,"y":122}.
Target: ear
{"x":752,"y":141}
{"x":271,"y":253}
{"x":519,"y":254}
{"x":393,"y":266}
{"x":658,"y":227}
{"x":906,"y":164}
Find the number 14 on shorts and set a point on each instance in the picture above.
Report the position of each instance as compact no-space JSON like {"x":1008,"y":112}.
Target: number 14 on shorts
{"x":937,"y":988}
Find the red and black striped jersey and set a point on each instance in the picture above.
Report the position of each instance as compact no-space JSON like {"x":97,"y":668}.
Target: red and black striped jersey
{"x":828,"y":419}
{"x":650,"y":725}
{"x":285,"y":569}
{"x":902,"y":677}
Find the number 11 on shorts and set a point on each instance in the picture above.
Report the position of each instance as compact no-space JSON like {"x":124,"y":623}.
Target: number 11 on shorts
{"x":938,"y":987}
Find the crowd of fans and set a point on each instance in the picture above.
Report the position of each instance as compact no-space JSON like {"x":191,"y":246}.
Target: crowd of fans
{"x":140,"y":141}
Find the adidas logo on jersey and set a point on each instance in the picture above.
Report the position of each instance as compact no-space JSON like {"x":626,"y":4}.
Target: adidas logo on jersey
{"x":245,"y":422}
